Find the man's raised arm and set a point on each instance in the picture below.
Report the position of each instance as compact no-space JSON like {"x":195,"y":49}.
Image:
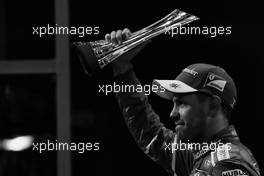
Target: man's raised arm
{"x":144,"y":124}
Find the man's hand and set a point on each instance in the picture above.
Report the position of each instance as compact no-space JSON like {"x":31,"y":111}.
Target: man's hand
{"x":122,"y":63}
{"x":117,"y":37}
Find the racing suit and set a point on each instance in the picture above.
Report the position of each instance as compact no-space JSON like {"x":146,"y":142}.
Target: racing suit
{"x":159,"y":142}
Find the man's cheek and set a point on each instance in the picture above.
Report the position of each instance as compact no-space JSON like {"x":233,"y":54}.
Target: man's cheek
{"x":185,"y":113}
{"x":191,"y":119}
{"x":186,"y":109}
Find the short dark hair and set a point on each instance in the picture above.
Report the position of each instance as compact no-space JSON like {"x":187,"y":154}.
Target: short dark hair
{"x":227,"y":111}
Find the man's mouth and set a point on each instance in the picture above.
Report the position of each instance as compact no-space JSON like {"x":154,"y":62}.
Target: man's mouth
{"x":179,"y":122}
{"x":179,"y":125}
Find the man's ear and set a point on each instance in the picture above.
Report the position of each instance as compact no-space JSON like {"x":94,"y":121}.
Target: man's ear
{"x":214,"y":105}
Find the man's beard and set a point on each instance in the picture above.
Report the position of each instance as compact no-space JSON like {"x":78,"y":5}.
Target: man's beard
{"x":187,"y":134}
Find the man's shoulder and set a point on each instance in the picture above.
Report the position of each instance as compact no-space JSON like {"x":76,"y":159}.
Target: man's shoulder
{"x":238,"y":151}
{"x":233,"y":158}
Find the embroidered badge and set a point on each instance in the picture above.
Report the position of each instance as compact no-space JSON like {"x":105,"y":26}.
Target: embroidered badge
{"x":215,"y":81}
{"x":235,"y":172}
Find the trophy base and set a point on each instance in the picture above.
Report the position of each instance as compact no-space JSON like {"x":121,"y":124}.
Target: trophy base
{"x":87,"y":58}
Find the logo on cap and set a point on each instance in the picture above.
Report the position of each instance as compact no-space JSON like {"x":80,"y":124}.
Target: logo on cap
{"x":190,"y":71}
{"x":215,"y":81}
{"x":174,"y":85}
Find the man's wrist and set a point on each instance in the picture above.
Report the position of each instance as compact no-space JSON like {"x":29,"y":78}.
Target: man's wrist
{"x":121,"y":68}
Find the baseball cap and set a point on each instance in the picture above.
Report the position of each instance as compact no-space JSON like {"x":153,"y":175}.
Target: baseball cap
{"x":200,"y":77}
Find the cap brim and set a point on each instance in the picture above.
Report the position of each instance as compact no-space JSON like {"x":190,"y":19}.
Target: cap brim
{"x":171,"y":87}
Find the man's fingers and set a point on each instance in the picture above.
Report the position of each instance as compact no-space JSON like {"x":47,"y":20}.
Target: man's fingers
{"x":113,"y":37}
{"x":119,"y":36}
{"x":125,"y":33}
{"x":108,"y":37}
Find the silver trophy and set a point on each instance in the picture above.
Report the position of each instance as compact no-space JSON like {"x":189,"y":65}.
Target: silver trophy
{"x":95,"y":55}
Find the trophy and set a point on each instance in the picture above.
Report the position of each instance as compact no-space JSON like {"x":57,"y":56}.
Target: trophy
{"x":95,"y":55}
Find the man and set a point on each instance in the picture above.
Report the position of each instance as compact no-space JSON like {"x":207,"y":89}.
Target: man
{"x":203,"y":96}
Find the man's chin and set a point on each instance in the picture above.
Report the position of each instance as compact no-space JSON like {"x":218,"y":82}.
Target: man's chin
{"x":179,"y":128}
{"x":181,"y":132}
{"x":184,"y":134}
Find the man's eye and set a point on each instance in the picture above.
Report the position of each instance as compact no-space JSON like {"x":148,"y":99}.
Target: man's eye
{"x":179,"y":102}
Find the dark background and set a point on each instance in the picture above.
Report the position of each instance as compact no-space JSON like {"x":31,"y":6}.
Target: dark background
{"x":95,"y":116}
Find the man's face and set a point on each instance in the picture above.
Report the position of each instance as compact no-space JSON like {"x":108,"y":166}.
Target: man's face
{"x":190,"y":114}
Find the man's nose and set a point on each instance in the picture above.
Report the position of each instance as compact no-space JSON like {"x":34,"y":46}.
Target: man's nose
{"x":175,"y":115}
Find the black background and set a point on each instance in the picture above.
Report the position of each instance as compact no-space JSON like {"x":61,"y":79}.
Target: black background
{"x":96,"y":117}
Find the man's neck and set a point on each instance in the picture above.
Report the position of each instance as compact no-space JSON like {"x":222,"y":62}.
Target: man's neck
{"x":214,"y":127}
